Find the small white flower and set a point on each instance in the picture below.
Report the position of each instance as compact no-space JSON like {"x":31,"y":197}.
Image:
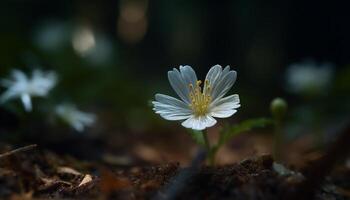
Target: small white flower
{"x":308,"y":77}
{"x":74,"y":117}
{"x":198,"y":106}
{"x":21,"y":86}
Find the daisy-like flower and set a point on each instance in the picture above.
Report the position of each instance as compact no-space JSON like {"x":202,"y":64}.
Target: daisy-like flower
{"x":23,"y":87}
{"x":77,"y":119}
{"x":198,"y":106}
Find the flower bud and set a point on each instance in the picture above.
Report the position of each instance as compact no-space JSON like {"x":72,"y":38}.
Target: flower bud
{"x":278,"y":108}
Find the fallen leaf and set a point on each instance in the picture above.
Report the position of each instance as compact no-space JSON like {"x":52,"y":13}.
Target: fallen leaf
{"x":87,"y":178}
{"x":68,"y":170}
{"x":49,"y":181}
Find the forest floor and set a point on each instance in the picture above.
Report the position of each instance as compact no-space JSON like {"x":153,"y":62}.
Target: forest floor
{"x":35,"y":173}
{"x":170,"y":166}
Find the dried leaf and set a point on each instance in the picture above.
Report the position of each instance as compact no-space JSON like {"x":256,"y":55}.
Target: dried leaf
{"x":68,"y":170}
{"x":87,"y":179}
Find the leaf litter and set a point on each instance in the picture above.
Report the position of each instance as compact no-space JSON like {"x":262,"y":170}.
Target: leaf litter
{"x":41,"y":174}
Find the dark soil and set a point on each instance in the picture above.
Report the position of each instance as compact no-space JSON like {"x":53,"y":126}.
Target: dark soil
{"x":44,"y":175}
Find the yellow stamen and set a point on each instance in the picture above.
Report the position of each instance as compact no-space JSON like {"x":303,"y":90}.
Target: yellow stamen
{"x":200,"y":99}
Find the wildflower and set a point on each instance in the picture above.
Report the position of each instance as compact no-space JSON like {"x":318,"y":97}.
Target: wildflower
{"x":198,"y":106}
{"x":74,"y":117}
{"x":23,"y":87}
{"x":308,"y":77}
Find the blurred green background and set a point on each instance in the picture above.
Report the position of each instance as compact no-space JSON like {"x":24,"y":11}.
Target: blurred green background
{"x":113,"y":56}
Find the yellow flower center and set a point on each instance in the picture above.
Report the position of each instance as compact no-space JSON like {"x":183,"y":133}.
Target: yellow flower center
{"x":200,"y":99}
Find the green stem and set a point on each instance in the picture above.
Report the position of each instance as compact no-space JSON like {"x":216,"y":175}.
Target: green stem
{"x":206,"y":140}
{"x":209,"y":149}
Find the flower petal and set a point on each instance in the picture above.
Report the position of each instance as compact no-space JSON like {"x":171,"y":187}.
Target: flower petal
{"x":42,"y":82}
{"x":170,"y":112}
{"x":77,"y":119}
{"x":19,"y":76}
{"x":166,"y":99}
{"x":222,"y":86}
{"x":199,"y":123}
{"x":78,"y":126}
{"x":7,"y":95}
{"x":171,"y":108}
{"x":27,"y":102}
{"x":225,"y":107}
{"x":188,"y":75}
{"x":213,"y":75}
{"x":231,"y":101}
{"x":179,"y":85}
{"x":226,"y":70}
{"x":223,"y":113}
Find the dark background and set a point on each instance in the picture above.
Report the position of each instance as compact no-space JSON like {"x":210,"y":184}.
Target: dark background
{"x":258,"y":39}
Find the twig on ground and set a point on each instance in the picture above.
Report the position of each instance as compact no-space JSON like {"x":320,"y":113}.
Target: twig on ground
{"x":18,"y":150}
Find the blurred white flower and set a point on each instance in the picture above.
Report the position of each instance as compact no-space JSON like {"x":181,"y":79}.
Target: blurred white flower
{"x":52,"y":35}
{"x":23,"y":87}
{"x":83,"y":40}
{"x":198,"y":106}
{"x":74,"y":117}
{"x":308,"y":77}
{"x":95,"y":47}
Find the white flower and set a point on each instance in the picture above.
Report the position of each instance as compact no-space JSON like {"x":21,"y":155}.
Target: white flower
{"x":308,"y":77}
{"x":74,"y":117}
{"x":21,"y":86}
{"x":198,"y":106}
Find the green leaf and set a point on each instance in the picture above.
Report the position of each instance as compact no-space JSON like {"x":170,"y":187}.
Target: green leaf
{"x":198,"y":137}
{"x":231,"y":131}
